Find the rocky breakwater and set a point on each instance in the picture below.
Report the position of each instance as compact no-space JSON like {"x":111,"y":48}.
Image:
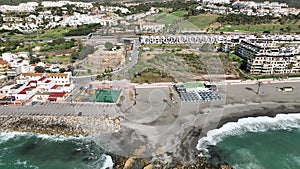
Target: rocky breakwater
{"x":59,"y":125}
{"x":132,"y":162}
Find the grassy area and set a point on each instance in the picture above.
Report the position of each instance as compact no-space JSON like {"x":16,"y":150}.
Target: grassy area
{"x":166,"y":18}
{"x":203,"y":21}
{"x":235,"y":58}
{"x":42,"y":35}
{"x":155,"y":17}
{"x":272,"y":28}
{"x":64,"y":59}
{"x":180,"y":13}
{"x":151,"y":75}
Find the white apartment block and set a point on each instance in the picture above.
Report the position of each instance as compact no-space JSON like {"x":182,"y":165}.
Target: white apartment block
{"x":216,"y":1}
{"x":151,"y":27}
{"x":266,"y":57}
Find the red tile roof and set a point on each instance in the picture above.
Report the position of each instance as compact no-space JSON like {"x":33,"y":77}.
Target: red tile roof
{"x":54,"y":87}
{"x":24,"y":90}
{"x":57,"y":94}
{"x":42,"y":78}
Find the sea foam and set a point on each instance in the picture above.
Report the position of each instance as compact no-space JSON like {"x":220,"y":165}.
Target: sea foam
{"x":250,"y":124}
{"x":108,"y":163}
{"x":5,"y":136}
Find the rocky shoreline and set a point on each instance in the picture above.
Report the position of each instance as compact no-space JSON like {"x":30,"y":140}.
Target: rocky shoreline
{"x":59,"y":125}
{"x":84,"y":126}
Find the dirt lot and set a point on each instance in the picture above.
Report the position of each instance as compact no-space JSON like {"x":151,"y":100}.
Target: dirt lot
{"x":103,"y":59}
{"x":182,"y":65}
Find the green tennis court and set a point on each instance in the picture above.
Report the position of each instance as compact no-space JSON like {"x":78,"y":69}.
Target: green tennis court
{"x":108,"y":96}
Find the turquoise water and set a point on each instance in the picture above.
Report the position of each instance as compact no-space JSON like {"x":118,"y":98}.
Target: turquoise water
{"x":256,"y":143}
{"x":34,"y":151}
{"x":278,"y":149}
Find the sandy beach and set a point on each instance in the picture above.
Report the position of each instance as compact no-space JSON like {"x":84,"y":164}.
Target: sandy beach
{"x":171,"y":130}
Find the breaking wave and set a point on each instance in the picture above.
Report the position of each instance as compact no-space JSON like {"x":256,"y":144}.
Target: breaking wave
{"x":250,"y":124}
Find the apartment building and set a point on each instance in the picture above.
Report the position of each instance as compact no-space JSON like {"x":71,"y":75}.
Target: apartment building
{"x":3,"y":66}
{"x":270,"y":57}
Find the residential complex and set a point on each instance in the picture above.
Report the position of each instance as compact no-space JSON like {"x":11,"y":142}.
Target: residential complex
{"x":248,"y":7}
{"x":38,"y":86}
{"x":270,"y":57}
{"x":265,"y":54}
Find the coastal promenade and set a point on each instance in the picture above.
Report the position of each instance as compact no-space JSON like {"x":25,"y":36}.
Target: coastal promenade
{"x":61,"y":109}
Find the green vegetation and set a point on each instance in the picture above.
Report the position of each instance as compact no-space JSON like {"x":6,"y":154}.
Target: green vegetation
{"x":60,"y":59}
{"x":167,"y":18}
{"x":33,"y":60}
{"x":151,"y":75}
{"x":39,"y":69}
{"x":175,"y":5}
{"x":235,"y":58}
{"x":55,"y":33}
{"x":193,"y":61}
{"x":265,"y":24}
{"x":86,"y":50}
{"x":108,"y":45}
{"x":266,"y":28}
{"x":180,"y":13}
{"x":203,"y":21}
{"x":83,"y":30}
{"x":242,"y":19}
{"x":58,"y":44}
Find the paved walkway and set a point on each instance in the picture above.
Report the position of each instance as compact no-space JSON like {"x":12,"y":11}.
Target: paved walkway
{"x":61,"y":109}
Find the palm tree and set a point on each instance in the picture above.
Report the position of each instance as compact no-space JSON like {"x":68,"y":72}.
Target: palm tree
{"x":259,"y":84}
{"x":171,"y":95}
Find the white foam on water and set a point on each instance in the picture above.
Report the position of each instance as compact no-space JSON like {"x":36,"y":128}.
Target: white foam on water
{"x":5,"y":136}
{"x":250,"y":124}
{"x":58,"y":137}
{"x":108,"y":163}
{"x":24,"y":164}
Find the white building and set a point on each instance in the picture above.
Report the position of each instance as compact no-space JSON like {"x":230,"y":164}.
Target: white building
{"x":266,"y":57}
{"x":151,"y":27}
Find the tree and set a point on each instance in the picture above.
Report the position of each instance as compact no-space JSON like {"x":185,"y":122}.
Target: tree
{"x":171,"y":95}
{"x":108,"y":45}
{"x":88,"y":49}
{"x":39,"y":69}
{"x":70,"y":68}
{"x":62,"y":70}
{"x":288,"y":28}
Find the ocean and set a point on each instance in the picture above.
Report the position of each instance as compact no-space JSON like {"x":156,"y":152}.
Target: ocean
{"x":250,"y":143}
{"x":256,"y":143}
{"x":39,"y":151}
